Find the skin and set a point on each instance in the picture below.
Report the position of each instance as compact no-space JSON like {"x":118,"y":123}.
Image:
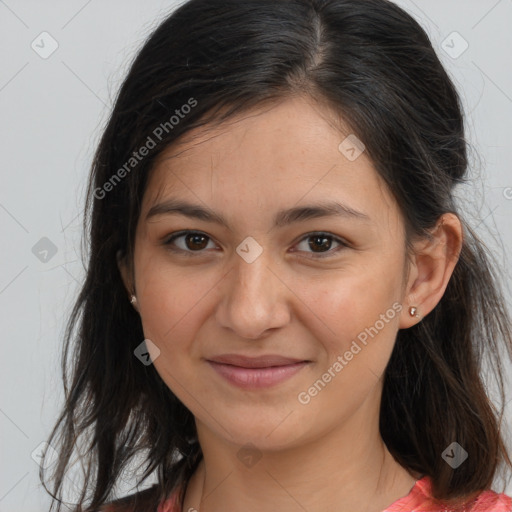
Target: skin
{"x":327,"y":454}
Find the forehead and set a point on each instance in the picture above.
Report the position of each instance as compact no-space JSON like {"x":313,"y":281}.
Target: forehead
{"x":270,"y":157}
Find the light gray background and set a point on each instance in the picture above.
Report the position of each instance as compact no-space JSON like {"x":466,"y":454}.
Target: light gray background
{"x":52,"y":112}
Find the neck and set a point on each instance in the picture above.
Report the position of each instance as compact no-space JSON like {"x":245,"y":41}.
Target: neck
{"x":349,"y":468}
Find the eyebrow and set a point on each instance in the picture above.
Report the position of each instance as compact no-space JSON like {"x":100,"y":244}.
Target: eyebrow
{"x":282,"y":218}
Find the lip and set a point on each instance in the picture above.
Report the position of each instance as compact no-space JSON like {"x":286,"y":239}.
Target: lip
{"x":255,"y":362}
{"x":256,"y":372}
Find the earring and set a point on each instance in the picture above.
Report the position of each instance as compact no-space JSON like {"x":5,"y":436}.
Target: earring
{"x":133,"y":299}
{"x":413,"y":311}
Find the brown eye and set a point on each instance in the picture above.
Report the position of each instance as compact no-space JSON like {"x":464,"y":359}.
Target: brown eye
{"x":188,"y":242}
{"x":195,"y":241}
{"x":320,"y":244}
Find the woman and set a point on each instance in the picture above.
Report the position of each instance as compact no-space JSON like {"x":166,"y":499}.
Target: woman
{"x":283,"y":307}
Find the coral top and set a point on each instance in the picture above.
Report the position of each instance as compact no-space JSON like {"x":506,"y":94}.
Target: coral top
{"x":419,"y":499}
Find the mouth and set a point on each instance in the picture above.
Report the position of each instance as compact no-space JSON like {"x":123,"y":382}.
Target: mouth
{"x":256,"y":372}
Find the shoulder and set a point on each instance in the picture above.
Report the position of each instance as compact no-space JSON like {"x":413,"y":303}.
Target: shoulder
{"x":128,"y":503}
{"x":490,"y":501}
{"x":144,"y":500}
{"x":420,"y":500}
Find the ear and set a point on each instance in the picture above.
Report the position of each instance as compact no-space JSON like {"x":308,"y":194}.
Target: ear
{"x":432,"y":264}
{"x":126,"y":274}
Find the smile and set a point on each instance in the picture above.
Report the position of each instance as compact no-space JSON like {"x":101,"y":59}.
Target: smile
{"x":257,"y":378}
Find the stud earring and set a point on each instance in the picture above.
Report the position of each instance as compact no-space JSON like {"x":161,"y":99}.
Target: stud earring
{"x":133,"y":299}
{"x":413,"y":311}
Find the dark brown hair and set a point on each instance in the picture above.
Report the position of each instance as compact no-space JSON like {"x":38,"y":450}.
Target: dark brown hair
{"x":372,"y":64}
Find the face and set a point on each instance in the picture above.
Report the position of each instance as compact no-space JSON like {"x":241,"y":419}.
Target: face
{"x":307,"y":264}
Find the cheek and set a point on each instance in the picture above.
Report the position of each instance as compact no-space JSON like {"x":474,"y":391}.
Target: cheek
{"x":172,"y":310}
{"x":172,"y":302}
{"x":360,"y":316}
{"x":362,"y":306}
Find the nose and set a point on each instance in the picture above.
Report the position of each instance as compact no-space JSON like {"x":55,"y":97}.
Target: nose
{"x":254,"y":299}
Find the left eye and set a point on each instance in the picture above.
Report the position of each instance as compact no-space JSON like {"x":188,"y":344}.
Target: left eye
{"x":195,"y":242}
{"x":323,"y":242}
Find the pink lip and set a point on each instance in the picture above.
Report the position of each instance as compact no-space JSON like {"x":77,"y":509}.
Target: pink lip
{"x":255,"y":362}
{"x":256,"y":373}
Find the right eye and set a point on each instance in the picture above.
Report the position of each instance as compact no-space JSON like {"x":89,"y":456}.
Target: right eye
{"x":190,"y":242}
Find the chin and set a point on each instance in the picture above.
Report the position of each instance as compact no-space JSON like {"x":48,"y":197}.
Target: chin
{"x":265,"y":435}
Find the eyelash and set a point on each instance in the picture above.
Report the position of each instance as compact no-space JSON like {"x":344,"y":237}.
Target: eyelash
{"x":168,"y":241}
